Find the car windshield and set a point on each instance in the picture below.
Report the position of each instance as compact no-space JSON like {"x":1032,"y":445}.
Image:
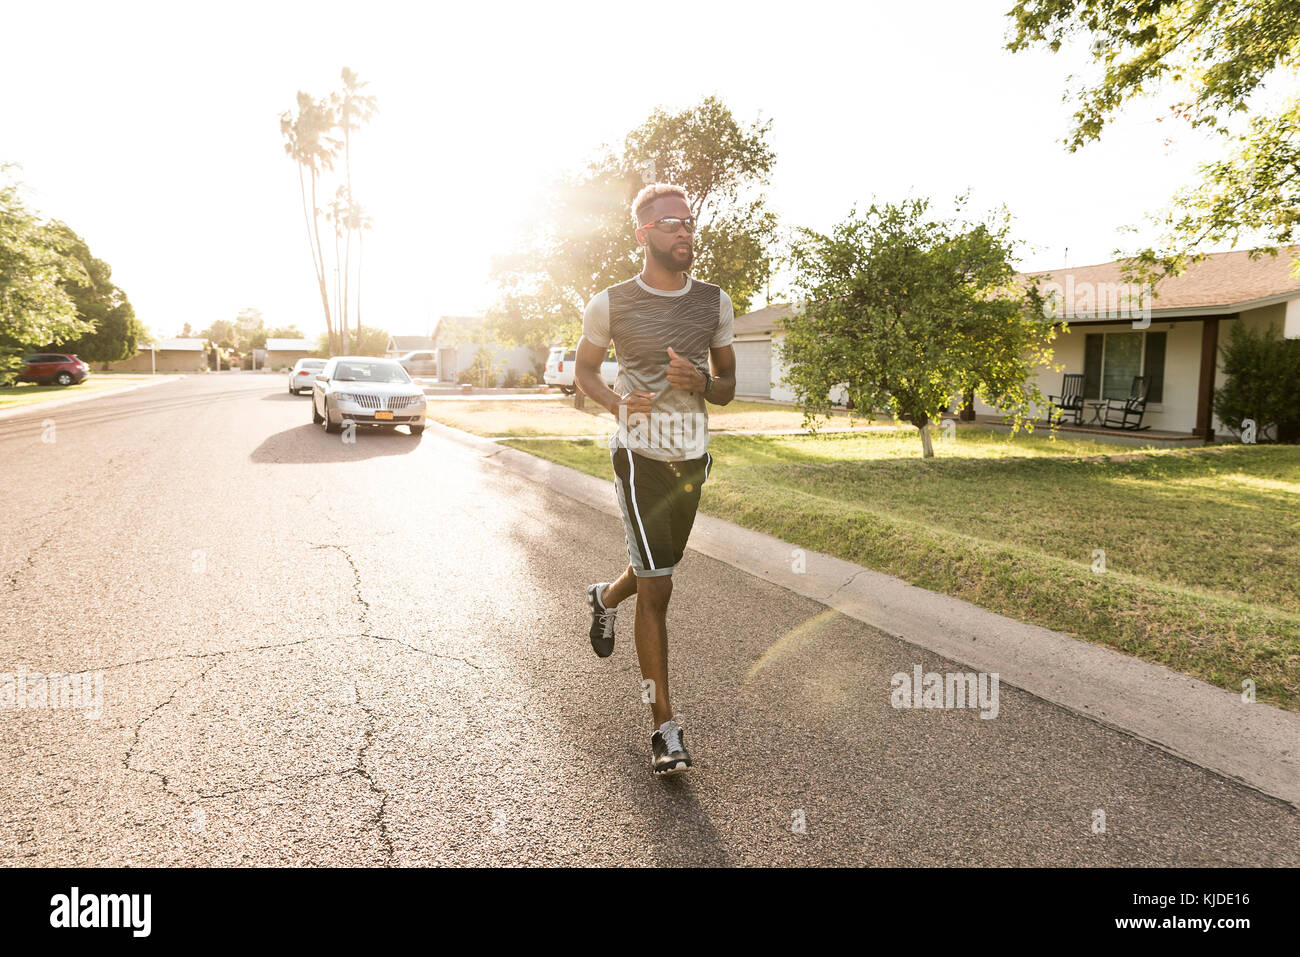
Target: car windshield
{"x":370,"y":372}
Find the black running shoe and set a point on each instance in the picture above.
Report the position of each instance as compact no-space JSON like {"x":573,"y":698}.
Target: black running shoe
{"x":602,"y":621}
{"x":669,"y":747}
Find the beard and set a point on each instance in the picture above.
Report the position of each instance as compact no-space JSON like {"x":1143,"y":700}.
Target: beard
{"x":669,"y":260}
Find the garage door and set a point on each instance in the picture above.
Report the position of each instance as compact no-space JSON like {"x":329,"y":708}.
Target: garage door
{"x":754,"y":368}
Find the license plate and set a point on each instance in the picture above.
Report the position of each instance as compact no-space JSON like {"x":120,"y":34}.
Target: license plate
{"x":383,"y":415}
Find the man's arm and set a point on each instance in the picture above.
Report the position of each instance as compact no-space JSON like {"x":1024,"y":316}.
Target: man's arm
{"x":723,"y":363}
{"x":682,"y":374}
{"x":587,"y":377}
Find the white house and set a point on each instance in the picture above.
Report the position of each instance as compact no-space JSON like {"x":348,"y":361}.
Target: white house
{"x":1115,"y":333}
{"x":283,"y":353}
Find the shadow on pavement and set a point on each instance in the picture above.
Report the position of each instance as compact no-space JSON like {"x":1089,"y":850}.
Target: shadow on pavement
{"x":310,"y":444}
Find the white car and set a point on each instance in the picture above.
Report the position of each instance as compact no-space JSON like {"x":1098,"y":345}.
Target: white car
{"x":367,"y":391}
{"x":302,"y":374}
{"x":559,"y":369}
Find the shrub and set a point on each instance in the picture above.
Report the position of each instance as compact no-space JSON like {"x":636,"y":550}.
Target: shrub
{"x":527,"y":380}
{"x":1263,"y":381}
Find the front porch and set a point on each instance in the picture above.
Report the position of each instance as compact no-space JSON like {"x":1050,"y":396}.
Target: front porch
{"x":1156,"y":438}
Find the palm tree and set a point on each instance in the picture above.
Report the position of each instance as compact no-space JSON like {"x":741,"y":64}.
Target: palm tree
{"x":308,"y":143}
{"x":351,"y":109}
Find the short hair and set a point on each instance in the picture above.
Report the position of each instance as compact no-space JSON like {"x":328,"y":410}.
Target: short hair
{"x":652,"y":192}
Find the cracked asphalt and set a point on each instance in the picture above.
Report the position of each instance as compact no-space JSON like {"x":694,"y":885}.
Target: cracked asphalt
{"x":315,"y":652}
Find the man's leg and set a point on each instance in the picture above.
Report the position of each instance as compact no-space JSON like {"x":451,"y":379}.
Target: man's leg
{"x":623,"y":587}
{"x":651,"y":630}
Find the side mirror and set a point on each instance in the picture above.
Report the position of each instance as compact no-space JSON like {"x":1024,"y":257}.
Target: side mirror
{"x":321,"y":378}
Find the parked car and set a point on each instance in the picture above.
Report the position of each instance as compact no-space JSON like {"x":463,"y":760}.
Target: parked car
{"x":53,"y":368}
{"x":422,"y":364}
{"x":368,"y":391}
{"x":559,"y":369}
{"x":303,"y":374}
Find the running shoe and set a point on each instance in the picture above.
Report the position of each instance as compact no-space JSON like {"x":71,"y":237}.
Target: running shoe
{"x":602,"y":621}
{"x":669,"y":747}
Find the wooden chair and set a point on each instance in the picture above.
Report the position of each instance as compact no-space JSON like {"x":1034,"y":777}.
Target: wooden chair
{"x":1120,"y":411}
{"x":1070,"y":401}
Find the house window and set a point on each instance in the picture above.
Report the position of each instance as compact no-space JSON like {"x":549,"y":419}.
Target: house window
{"x":1112,"y":359}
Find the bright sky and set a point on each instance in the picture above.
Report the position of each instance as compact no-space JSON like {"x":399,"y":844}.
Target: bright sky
{"x":153,"y":130}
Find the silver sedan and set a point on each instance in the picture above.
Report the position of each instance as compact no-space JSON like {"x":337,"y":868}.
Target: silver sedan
{"x":367,"y":391}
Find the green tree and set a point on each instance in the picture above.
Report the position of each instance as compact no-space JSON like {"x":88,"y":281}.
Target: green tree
{"x":36,"y":263}
{"x":905,"y":312}
{"x":1212,"y":59}
{"x":352,"y":108}
{"x":584,"y":239}
{"x":373,"y":342}
{"x":1262,"y":373}
{"x":114,"y":330}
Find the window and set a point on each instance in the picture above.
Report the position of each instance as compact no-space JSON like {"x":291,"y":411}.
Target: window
{"x":1112,"y":359}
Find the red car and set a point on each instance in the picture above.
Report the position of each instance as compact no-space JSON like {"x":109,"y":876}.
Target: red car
{"x":52,"y":367}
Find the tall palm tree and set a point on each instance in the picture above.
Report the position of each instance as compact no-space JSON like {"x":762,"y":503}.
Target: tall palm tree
{"x":351,"y":108}
{"x":309,"y":144}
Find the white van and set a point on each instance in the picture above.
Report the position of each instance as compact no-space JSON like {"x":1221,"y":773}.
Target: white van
{"x":559,"y":369}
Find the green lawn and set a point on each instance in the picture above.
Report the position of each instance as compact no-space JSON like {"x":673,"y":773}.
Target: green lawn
{"x":27,"y":393}
{"x":1202,"y":547}
{"x":503,"y":418}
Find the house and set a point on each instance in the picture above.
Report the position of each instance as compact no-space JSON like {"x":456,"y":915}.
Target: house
{"x":399,"y":346}
{"x":1115,"y":332}
{"x":283,"y":353}
{"x":165,"y":355}
{"x":760,"y":370}
{"x":457,"y":340}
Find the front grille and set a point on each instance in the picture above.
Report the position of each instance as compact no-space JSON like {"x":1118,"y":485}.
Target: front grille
{"x":368,"y":401}
{"x":405,"y":401}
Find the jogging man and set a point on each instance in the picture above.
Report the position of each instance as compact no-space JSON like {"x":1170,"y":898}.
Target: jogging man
{"x":669,"y":331}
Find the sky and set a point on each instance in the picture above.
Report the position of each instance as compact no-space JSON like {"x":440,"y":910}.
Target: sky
{"x":153,"y":131}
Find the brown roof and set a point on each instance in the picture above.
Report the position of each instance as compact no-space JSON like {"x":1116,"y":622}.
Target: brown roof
{"x":762,"y":321}
{"x":1220,"y":281}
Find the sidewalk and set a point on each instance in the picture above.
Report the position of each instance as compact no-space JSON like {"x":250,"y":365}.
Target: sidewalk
{"x":57,"y":401}
{"x":1254,"y":744}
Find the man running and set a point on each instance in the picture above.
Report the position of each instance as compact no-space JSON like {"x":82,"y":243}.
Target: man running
{"x":667,"y":330}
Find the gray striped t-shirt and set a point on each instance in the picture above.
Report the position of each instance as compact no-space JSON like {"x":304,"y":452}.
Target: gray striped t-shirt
{"x":643,"y":322}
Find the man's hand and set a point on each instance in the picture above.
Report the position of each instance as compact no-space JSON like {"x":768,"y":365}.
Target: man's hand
{"x":635,"y":401}
{"x":682,"y":373}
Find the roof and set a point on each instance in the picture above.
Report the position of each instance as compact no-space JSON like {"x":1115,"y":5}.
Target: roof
{"x":1221,"y":283}
{"x":177,"y":345}
{"x":289,"y":345}
{"x":762,"y":321}
{"x":410,"y":343}
{"x":453,"y":330}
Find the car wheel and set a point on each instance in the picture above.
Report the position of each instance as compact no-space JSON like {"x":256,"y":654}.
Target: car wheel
{"x":316,"y":417}
{"x":64,"y":378}
{"x":417,"y":430}
{"x":330,"y":427}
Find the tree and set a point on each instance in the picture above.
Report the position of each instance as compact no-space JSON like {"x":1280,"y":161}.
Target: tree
{"x":372,"y":342}
{"x":313,"y":140}
{"x":905,"y":312}
{"x":114,"y":331}
{"x":1263,"y":379}
{"x":35,"y":264}
{"x":584,"y":239}
{"x":1212,"y":57}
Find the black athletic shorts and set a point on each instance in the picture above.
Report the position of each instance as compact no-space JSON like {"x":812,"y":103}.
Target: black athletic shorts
{"x":658,"y":500}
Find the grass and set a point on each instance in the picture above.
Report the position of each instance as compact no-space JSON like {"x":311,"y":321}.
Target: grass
{"x":27,"y":393}
{"x":1202,"y":546}
{"x":533,"y":417}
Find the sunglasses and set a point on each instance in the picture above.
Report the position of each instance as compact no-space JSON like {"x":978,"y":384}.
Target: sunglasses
{"x":670,"y":224}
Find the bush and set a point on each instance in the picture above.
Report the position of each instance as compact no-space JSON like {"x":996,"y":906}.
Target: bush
{"x":1263,"y":381}
{"x":527,"y":380}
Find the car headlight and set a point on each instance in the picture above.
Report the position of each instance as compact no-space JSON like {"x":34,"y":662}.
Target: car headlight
{"x":345,"y":397}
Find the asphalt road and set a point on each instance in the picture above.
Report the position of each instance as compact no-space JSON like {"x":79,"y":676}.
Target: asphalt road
{"x":315,"y":652}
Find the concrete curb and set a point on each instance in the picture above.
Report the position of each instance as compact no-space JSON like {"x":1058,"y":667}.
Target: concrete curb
{"x":56,"y":403}
{"x":1255,"y":744}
